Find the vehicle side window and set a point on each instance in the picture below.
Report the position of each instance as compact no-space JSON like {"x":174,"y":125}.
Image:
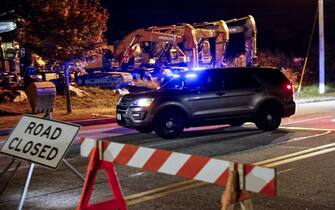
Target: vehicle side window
{"x":271,"y":77}
{"x":240,"y":79}
{"x":213,"y":81}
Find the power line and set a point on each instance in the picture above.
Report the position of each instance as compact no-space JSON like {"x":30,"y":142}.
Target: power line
{"x":308,"y":51}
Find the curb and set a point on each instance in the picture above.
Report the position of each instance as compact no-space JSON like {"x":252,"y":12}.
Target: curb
{"x":311,"y":100}
{"x":88,"y":122}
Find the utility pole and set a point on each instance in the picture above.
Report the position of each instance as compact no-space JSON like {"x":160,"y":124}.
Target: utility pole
{"x":321,"y":49}
{"x":67,"y":88}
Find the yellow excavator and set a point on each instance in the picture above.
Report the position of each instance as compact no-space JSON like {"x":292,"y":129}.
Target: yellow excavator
{"x":186,"y":43}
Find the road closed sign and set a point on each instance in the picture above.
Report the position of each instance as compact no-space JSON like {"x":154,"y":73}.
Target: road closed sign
{"x":41,"y":141}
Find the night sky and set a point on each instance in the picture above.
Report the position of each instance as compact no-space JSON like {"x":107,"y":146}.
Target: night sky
{"x":282,"y":24}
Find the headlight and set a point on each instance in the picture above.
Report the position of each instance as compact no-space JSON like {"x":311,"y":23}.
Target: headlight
{"x":142,"y":102}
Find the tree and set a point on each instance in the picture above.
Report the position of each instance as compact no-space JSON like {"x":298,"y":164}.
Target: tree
{"x":62,"y":31}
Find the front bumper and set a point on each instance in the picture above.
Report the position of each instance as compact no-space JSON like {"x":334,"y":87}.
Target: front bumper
{"x":133,"y":117}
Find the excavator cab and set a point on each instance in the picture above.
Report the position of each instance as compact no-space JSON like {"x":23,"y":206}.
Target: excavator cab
{"x":177,"y":57}
{"x":205,"y":53}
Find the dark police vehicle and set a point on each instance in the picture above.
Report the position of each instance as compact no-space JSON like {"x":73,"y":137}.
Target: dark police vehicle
{"x":208,"y":97}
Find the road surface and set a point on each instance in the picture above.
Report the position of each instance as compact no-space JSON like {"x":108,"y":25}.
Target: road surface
{"x":302,"y":151}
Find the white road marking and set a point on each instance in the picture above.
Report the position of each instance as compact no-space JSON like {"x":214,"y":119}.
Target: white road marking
{"x":306,"y":120}
{"x":137,"y":174}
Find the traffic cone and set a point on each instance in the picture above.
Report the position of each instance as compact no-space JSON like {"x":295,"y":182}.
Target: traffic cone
{"x":233,"y":194}
{"x":96,"y":163}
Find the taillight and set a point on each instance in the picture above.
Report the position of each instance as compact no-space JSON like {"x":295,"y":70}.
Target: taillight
{"x":289,"y":88}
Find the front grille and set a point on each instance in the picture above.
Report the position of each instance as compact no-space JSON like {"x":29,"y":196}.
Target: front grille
{"x":125,"y":102}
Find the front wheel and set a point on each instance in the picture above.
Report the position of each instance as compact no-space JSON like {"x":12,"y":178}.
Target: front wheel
{"x":169,"y":124}
{"x":268,"y":119}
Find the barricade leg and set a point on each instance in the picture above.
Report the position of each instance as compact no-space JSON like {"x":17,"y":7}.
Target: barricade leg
{"x":233,"y":194}
{"x":118,"y":202}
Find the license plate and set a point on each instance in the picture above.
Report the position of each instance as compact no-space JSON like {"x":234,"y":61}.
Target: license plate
{"x":118,"y":116}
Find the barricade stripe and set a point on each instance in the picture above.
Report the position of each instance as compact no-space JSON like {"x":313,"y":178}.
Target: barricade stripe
{"x":141,"y":157}
{"x":212,"y":170}
{"x":112,"y":151}
{"x":222,"y":180}
{"x":248,"y":168}
{"x":192,"y":166}
{"x":257,"y":178}
{"x":87,"y":146}
{"x":269,"y":188}
{"x":126,"y":154}
{"x":157,"y":159}
{"x":173,"y":164}
{"x":256,"y":183}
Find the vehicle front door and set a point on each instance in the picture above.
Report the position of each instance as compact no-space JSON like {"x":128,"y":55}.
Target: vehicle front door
{"x":209,"y":102}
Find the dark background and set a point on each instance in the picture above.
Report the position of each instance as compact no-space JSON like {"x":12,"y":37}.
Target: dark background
{"x":282,"y":24}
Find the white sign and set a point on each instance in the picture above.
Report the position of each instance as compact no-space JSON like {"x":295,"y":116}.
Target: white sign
{"x":41,"y":141}
{"x":6,"y":26}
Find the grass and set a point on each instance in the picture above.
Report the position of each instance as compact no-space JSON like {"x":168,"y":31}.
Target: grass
{"x":99,"y":103}
{"x":313,"y":92}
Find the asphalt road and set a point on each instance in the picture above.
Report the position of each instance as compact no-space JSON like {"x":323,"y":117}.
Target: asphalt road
{"x":302,"y":151}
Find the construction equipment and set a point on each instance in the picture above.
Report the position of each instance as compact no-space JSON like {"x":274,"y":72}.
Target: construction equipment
{"x":131,"y":47}
{"x":186,"y":43}
{"x":219,"y":31}
{"x":250,"y":36}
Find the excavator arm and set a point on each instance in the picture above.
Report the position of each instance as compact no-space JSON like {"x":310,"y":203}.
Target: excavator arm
{"x":130,"y":43}
{"x":250,"y":36}
{"x":191,"y":33}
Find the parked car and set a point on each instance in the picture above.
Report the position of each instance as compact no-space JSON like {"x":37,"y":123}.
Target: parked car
{"x":113,"y":80}
{"x":213,"y":96}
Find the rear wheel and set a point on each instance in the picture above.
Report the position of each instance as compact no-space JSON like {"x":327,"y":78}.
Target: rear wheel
{"x":268,"y":118}
{"x":169,"y":124}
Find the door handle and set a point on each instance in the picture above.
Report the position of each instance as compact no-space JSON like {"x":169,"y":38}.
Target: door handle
{"x":220,"y":93}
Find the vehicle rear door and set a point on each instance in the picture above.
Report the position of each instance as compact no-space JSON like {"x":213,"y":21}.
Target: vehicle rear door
{"x":242,"y":91}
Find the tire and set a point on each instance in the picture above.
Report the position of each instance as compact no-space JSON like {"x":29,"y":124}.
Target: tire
{"x":268,"y":118}
{"x":148,"y":129}
{"x":169,"y":124}
{"x":236,"y":123}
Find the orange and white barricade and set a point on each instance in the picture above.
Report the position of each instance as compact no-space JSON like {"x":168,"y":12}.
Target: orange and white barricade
{"x":238,"y":178}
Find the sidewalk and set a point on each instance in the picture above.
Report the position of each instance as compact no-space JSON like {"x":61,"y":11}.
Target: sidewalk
{"x":88,"y":122}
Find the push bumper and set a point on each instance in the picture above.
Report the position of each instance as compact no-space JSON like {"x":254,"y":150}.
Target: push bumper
{"x":133,"y":117}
